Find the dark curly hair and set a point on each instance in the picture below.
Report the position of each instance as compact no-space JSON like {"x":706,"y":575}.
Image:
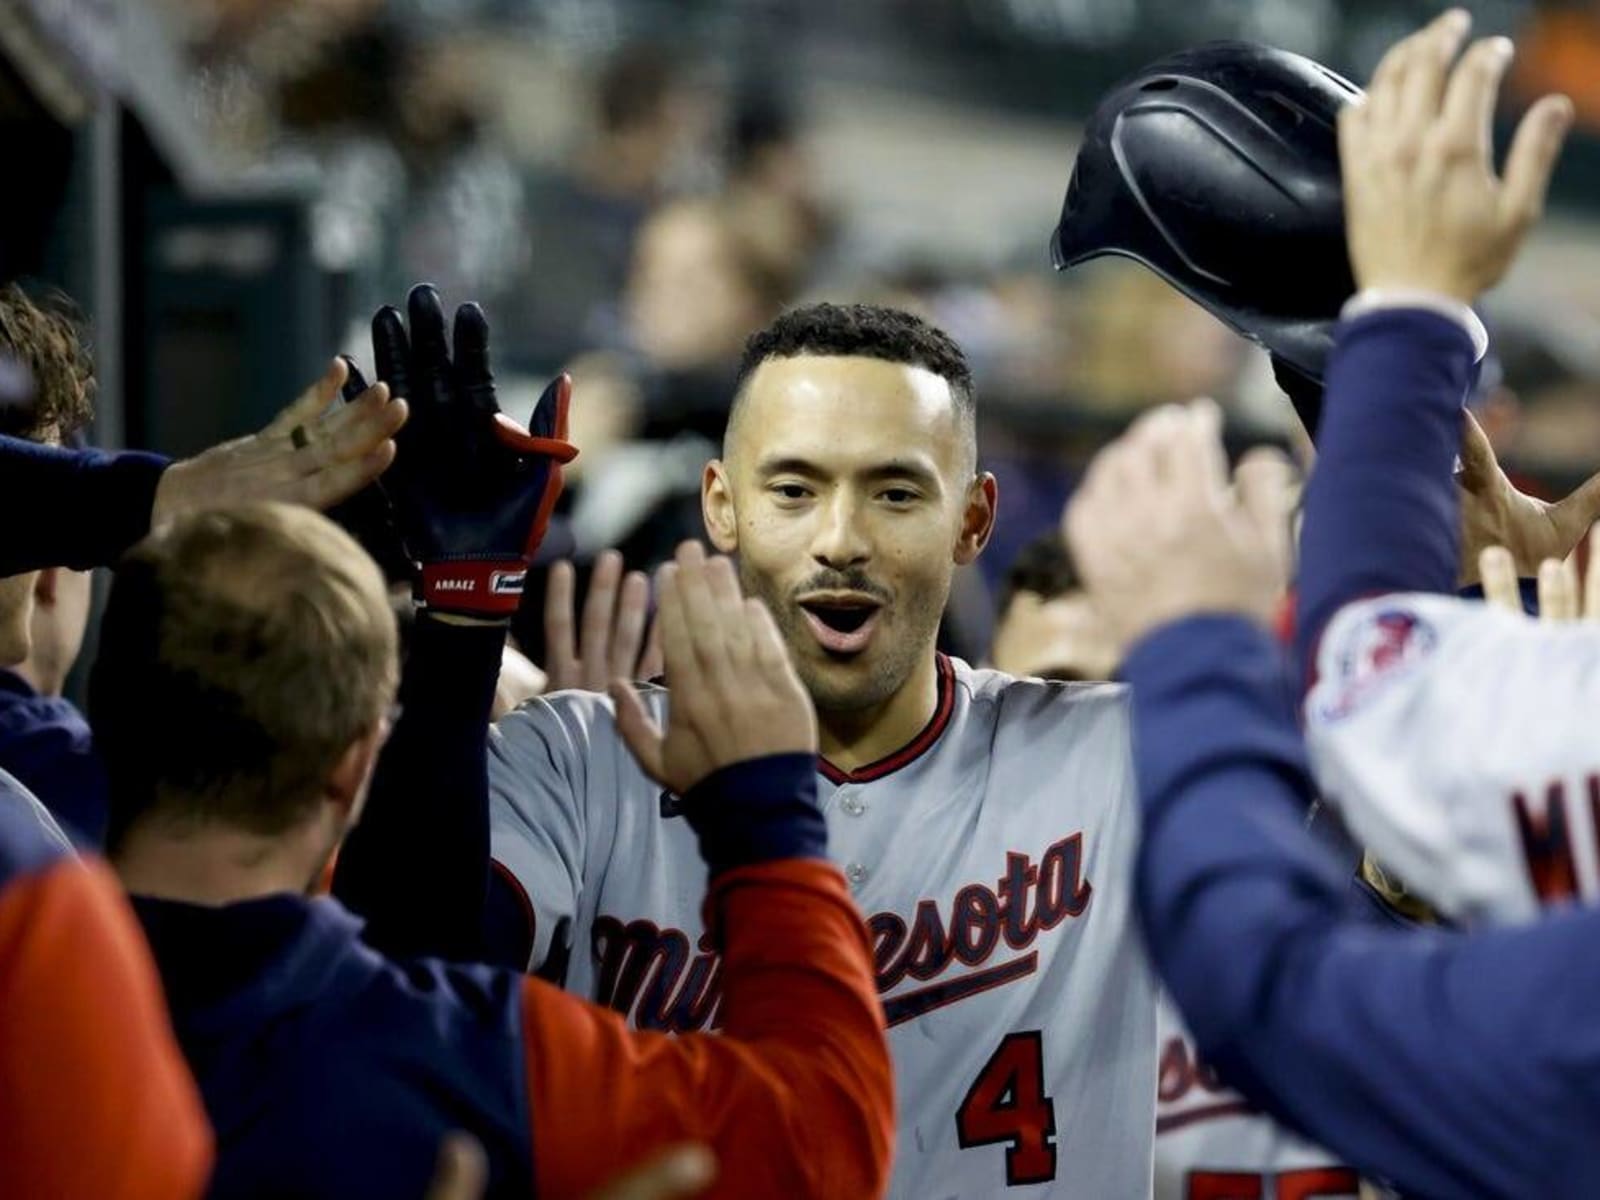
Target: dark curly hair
{"x":866,"y":331}
{"x":863,"y":331}
{"x":1044,"y":567}
{"x":44,"y":335}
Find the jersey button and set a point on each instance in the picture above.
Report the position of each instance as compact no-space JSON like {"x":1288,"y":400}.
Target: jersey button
{"x":853,"y":805}
{"x":855,"y":873}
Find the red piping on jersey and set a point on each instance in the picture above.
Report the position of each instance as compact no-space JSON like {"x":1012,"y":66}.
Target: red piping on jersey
{"x":1210,"y":1112}
{"x":521,"y":893}
{"x":943,"y":706}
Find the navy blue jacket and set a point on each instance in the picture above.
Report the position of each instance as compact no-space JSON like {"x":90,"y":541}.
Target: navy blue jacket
{"x":84,"y":507}
{"x":45,"y":742}
{"x":328,"y":1070}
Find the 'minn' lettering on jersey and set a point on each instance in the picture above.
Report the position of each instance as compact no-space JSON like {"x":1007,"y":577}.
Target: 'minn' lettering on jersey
{"x":1547,"y":838}
{"x":653,"y":974}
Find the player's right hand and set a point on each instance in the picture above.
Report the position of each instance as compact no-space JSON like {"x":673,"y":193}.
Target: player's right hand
{"x":735,"y":694}
{"x":1424,"y":210}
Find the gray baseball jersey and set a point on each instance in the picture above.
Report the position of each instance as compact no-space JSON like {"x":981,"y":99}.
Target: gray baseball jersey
{"x":1211,"y":1144}
{"x":993,"y":858}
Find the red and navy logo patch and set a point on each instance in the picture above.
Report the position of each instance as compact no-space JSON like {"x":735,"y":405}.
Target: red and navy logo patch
{"x":1380,"y":647}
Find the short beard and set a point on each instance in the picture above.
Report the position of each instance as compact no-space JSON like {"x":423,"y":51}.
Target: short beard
{"x":893,"y":667}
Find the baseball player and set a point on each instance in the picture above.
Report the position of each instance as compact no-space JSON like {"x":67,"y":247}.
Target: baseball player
{"x":1450,"y":1064}
{"x":985,"y":823}
{"x":94,"y":1096}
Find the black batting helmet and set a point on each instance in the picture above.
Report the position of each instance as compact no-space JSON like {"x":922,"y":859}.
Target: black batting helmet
{"x":1218,"y":168}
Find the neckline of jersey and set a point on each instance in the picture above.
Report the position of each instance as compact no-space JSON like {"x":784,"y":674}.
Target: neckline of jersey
{"x":943,"y":706}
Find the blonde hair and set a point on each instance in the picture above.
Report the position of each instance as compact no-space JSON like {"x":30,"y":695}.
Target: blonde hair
{"x":244,"y":650}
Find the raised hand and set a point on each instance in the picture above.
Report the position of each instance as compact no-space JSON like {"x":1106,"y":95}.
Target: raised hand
{"x":1159,"y":535}
{"x":314,"y":453}
{"x":471,"y":489}
{"x":1424,"y":209}
{"x":1560,"y":598}
{"x":735,"y":695}
{"x":609,"y":641}
{"x":1495,"y":513}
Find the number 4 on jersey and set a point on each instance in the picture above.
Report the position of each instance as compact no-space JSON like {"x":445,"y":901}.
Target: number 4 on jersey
{"x":1006,"y":1104}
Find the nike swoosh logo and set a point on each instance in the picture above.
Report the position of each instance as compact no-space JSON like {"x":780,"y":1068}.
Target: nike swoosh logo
{"x":910,"y":1005}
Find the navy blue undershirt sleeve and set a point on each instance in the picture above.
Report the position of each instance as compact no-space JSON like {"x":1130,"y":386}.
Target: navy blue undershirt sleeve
{"x":417,"y":865}
{"x":1450,"y":1064}
{"x":758,"y":811}
{"x":72,"y":508}
{"x":1381,"y":510}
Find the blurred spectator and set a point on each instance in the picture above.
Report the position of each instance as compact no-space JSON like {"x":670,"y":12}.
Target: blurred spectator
{"x":1047,"y":625}
{"x":773,"y":179}
{"x":704,"y":276}
{"x":701,"y":281}
{"x":649,"y":119}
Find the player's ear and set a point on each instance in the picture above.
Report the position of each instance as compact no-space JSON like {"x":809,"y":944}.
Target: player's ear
{"x":977,"y":518}
{"x":716,"y":507}
{"x":345,"y":789}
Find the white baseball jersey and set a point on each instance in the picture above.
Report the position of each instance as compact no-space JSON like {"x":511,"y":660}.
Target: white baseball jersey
{"x":1461,"y":744}
{"x":1212,"y":1145}
{"x":993,"y":858}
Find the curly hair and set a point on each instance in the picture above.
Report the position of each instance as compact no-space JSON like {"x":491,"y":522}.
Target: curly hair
{"x":45,"y":336}
{"x":864,"y":331}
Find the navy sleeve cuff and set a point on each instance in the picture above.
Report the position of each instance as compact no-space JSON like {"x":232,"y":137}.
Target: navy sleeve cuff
{"x":120,"y":486}
{"x":86,"y":507}
{"x":758,"y":811}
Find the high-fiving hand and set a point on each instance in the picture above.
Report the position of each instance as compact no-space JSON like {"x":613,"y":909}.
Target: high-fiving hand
{"x":735,"y":694}
{"x":1158,"y":534}
{"x":315,"y":452}
{"x":1560,"y":598}
{"x":1424,"y":209}
{"x":472,"y":490}
{"x":610,"y":640}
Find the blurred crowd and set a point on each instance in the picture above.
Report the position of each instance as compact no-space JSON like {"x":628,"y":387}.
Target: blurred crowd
{"x":631,"y":210}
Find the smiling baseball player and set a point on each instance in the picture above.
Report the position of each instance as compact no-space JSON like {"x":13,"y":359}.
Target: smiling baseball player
{"x":985,"y":823}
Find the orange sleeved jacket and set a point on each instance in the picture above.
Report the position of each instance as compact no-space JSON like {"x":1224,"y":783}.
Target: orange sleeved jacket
{"x":95,"y":1099}
{"x":330,"y":1071}
{"x":795,"y":1097}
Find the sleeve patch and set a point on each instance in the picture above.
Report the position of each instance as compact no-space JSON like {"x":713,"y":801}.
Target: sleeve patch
{"x":1381,"y":646}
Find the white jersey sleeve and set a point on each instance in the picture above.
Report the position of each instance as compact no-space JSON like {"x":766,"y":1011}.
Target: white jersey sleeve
{"x":1459,"y":743}
{"x":538,"y":760}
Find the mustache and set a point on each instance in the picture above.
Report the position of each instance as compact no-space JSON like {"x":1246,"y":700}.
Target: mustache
{"x":843,"y":581}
